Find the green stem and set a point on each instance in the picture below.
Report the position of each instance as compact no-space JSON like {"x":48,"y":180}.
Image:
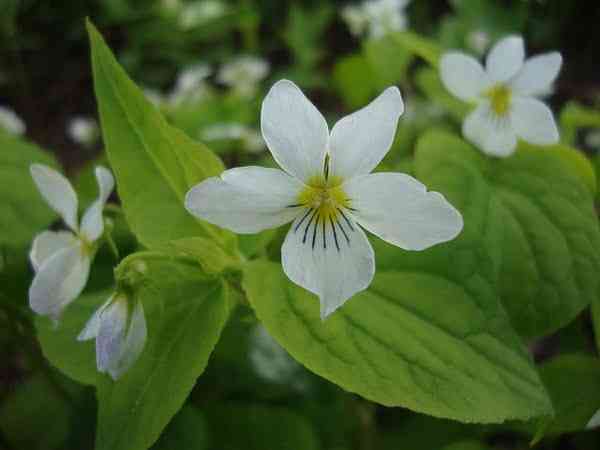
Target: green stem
{"x":420,"y":46}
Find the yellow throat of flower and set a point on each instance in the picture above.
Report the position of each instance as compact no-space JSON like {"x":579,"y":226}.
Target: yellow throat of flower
{"x":500,"y":99}
{"x":325,"y":196}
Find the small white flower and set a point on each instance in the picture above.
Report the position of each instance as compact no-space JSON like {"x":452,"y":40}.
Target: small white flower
{"x":271,"y":362}
{"x":83,"y":130}
{"x":10,"y":122}
{"x":120,"y":332}
{"x":592,"y":139}
{"x":61,"y":259}
{"x":243,"y":74}
{"x":171,"y":6}
{"x":376,"y":17}
{"x":154,"y":96}
{"x":199,"y":12}
{"x":478,"y":41}
{"x":326,"y":190}
{"x":249,"y":138}
{"x":505,"y":94}
{"x":190,"y":84}
{"x":356,"y":19}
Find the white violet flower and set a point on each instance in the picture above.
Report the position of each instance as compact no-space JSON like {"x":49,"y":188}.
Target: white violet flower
{"x":83,"y":130}
{"x":199,"y":12}
{"x":376,"y":17}
{"x":10,"y":122}
{"x":120,"y":332}
{"x":326,"y":190}
{"x":190,"y":84}
{"x":243,"y":74}
{"x":248,"y":137}
{"x":478,"y":41}
{"x":505,"y":93}
{"x":62,"y":259}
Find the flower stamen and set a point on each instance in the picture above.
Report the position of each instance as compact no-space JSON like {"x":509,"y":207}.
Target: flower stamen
{"x":500,"y":99}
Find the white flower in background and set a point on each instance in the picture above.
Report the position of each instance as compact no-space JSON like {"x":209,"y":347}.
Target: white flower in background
{"x":120,"y":332}
{"x":592,"y":140}
{"x":376,"y":17}
{"x":190,"y":84}
{"x":83,"y":130}
{"x":244,"y":74}
{"x":326,"y":190}
{"x":505,"y":94}
{"x":478,"y":41}
{"x":10,"y":122}
{"x":154,"y":96}
{"x":199,"y":12}
{"x":171,"y":6}
{"x":356,"y":19}
{"x":61,"y":259}
{"x":271,"y":362}
{"x":594,"y":422}
{"x":249,"y":138}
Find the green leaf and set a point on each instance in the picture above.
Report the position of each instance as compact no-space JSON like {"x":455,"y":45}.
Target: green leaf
{"x":23,"y":211}
{"x":573,"y":382}
{"x":187,"y":431}
{"x":59,"y":343}
{"x":428,"y":80}
{"x":575,"y":116}
{"x":185,"y":312}
{"x":579,"y":164}
{"x":533,"y":214}
{"x":209,"y":255}
{"x":596,"y":319}
{"x":418,"y":45}
{"x":413,"y":339}
{"x":388,"y":61}
{"x":466,"y":445}
{"x":256,"y":427}
{"x":254,"y":244}
{"x":154,"y":164}
{"x":353,"y":79}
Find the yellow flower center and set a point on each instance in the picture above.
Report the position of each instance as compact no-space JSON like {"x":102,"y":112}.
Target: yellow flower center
{"x":500,"y":99}
{"x":325,"y":196}
{"x":323,"y":221}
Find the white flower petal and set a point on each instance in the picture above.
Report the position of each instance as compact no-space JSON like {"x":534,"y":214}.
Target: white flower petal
{"x":494,"y":135}
{"x":47,"y":243}
{"x":111,"y":334}
{"x":92,"y":224}
{"x":533,"y":122}
{"x":57,"y":191}
{"x":246,"y":199}
{"x":360,"y":141}
{"x":90,"y":331}
{"x":505,"y":59}
{"x":294,"y":130}
{"x":463,"y":76}
{"x":133,"y":344}
{"x":59,"y":281}
{"x":311,"y":259}
{"x":537,"y":75}
{"x":398,"y":209}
